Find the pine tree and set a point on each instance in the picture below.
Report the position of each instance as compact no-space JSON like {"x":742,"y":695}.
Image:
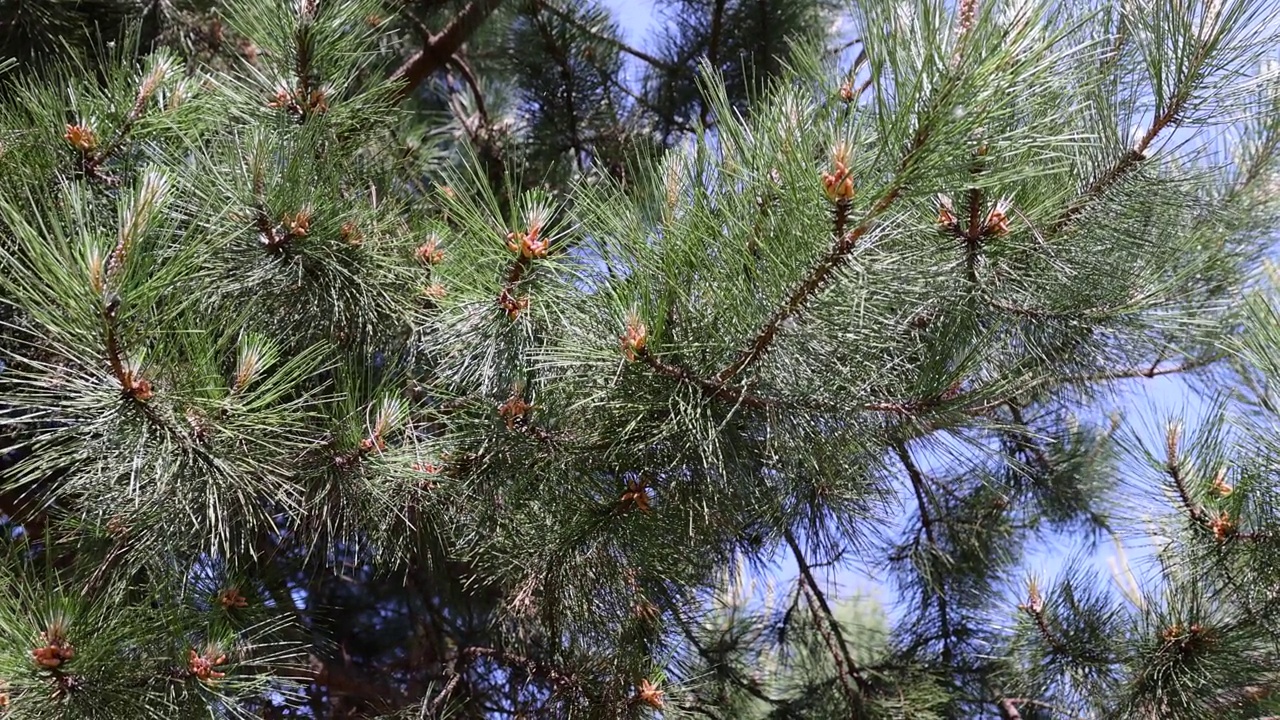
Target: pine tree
{"x":392,"y":362}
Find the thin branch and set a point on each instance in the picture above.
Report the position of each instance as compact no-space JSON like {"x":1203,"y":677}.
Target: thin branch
{"x":735,"y":677}
{"x":534,"y":668}
{"x":576,"y":22}
{"x":439,"y":48}
{"x":1009,"y":709}
{"x":469,"y":76}
{"x":845,"y":46}
{"x":1146,"y":372}
{"x":711,"y":387}
{"x":713,"y":52}
{"x":926,"y":522}
{"x":567,"y":77}
{"x":1173,"y":467}
{"x":433,"y":710}
{"x":846,"y":668}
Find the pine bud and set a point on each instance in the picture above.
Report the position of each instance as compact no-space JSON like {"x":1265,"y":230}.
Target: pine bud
{"x":1034,"y":603}
{"x":967,"y":12}
{"x":997,"y":222}
{"x":529,"y":244}
{"x":846,"y":91}
{"x":635,"y":497}
{"x":649,"y":694}
{"x":351,"y":234}
{"x":947,"y":219}
{"x":136,"y":386}
{"x":634,"y":338}
{"x":838,"y":184}
{"x":1222,"y":526}
{"x":231,"y":599}
{"x":81,"y":138}
{"x":514,"y":409}
{"x":54,"y":649}
{"x":283,"y":99}
{"x":513,"y":305}
{"x":429,"y":253}
{"x":434,"y":291}
{"x":1220,"y":484}
{"x":204,"y":666}
{"x":297,"y":224}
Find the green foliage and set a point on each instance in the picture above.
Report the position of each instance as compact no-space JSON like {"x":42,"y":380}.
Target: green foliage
{"x":414,"y":416}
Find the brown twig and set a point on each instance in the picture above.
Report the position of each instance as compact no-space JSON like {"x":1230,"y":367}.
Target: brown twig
{"x":918,"y":486}
{"x":854,"y":683}
{"x":440,"y":47}
{"x":433,"y":710}
{"x":713,"y":52}
{"x":1173,"y":466}
{"x":1147,"y":372}
{"x":1009,"y":709}
{"x":633,"y":52}
{"x":710,"y":387}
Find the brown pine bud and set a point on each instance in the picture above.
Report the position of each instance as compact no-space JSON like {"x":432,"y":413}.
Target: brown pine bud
{"x":838,"y":184}
{"x":318,"y":102}
{"x":649,"y":694}
{"x":231,"y":598}
{"x":81,"y":137}
{"x":528,"y":245}
{"x":997,"y":222}
{"x":1220,"y":484}
{"x":203,"y":666}
{"x":513,"y":409}
{"x":947,"y":219}
{"x":634,"y":338}
{"x":1222,"y":526}
{"x":846,"y":91}
{"x":513,"y":305}
{"x":434,"y":291}
{"x":351,"y":234}
{"x":429,"y":253}
{"x":297,"y":224}
{"x":635,"y":497}
{"x":281,"y":100}
{"x":54,"y":648}
{"x":1035,"y":603}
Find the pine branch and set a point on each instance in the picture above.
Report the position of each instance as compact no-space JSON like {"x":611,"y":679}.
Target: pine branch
{"x":439,"y":48}
{"x":817,"y":277}
{"x":1034,"y":607}
{"x":751,"y":687}
{"x":561,"y":59}
{"x":974,"y":232}
{"x":712,"y":388}
{"x":561,"y":680}
{"x":469,"y":77}
{"x":926,"y":522}
{"x":852,"y":680}
{"x":1174,"y":469}
{"x":1136,"y":155}
{"x":433,"y":710}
